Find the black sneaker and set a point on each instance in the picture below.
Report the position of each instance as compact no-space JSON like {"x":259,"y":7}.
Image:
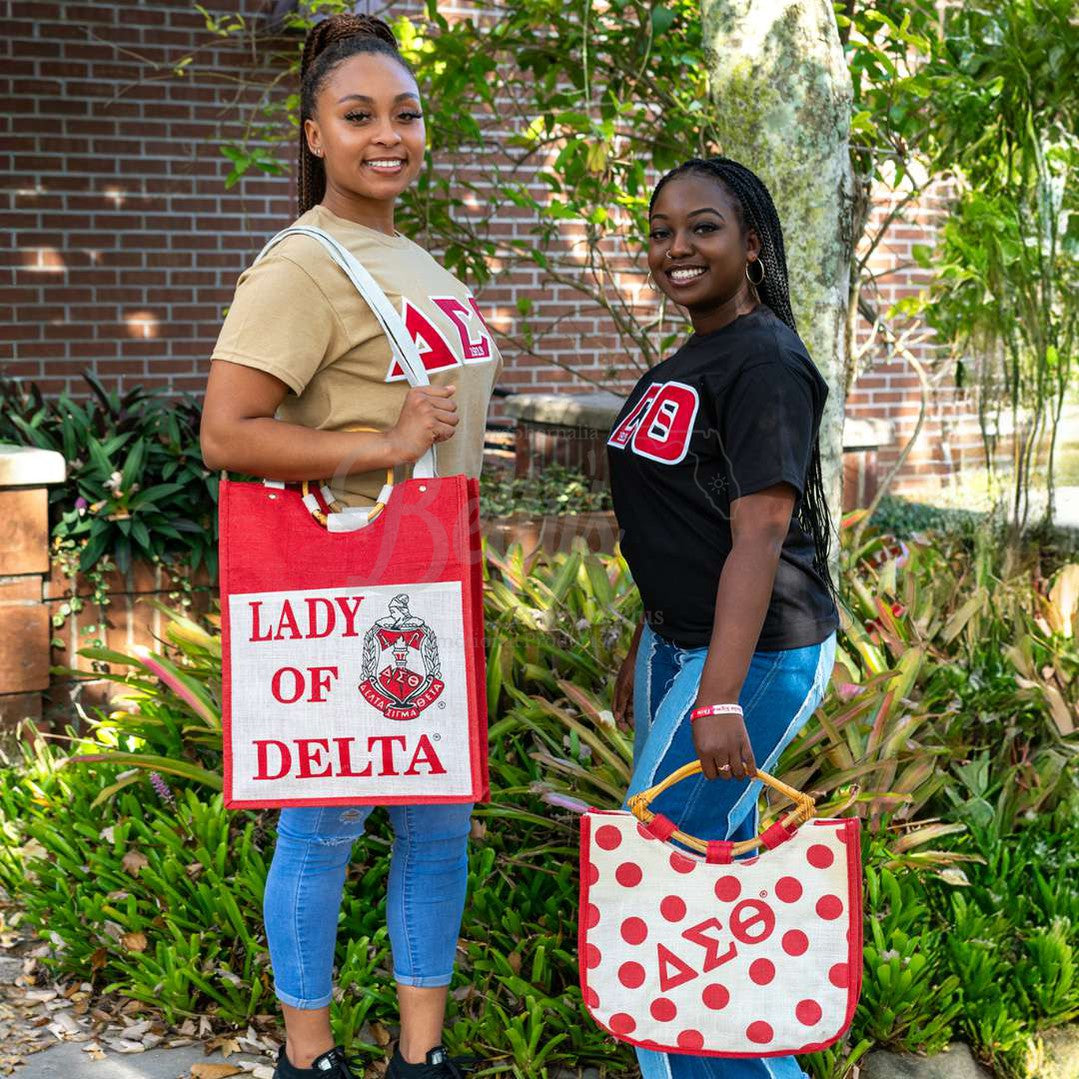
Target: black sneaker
{"x":333,"y":1064}
{"x":439,"y":1065}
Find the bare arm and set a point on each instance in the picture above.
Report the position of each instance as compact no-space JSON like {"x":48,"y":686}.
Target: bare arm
{"x":239,"y":431}
{"x":759,"y":524}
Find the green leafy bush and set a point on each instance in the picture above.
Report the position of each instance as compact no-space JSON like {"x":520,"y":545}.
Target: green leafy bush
{"x":136,"y":486}
{"x":555,"y":490}
{"x":982,"y":947}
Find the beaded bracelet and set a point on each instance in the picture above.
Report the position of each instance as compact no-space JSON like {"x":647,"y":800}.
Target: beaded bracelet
{"x":715,"y":710}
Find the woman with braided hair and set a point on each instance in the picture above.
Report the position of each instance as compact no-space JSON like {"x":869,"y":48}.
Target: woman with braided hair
{"x":300,"y":360}
{"x":716,"y":478}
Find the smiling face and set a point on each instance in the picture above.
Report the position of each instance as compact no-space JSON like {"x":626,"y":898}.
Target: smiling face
{"x":697,"y":250}
{"x":368,"y":128}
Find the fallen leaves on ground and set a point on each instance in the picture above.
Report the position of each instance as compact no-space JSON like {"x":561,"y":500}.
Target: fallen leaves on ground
{"x":37,"y":1012}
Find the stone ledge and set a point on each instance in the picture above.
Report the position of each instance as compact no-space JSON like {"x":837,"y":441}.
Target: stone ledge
{"x":598,"y":410}
{"x":592,"y":410}
{"x":862,"y":434}
{"x":25,"y":466}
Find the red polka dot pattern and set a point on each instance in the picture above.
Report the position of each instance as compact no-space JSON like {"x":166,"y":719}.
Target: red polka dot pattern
{"x":691,"y":1039}
{"x":608,"y":837}
{"x":716,"y":997}
{"x":759,"y":1033}
{"x":820,"y":856}
{"x":591,"y":998}
{"x":839,"y":976}
{"x":788,"y":890}
{"x":622,"y":1024}
{"x":829,"y":907}
{"x":628,"y":874}
{"x":795,"y":942}
{"x":592,"y":956}
{"x":762,"y":971}
{"x":727,"y":889}
{"x":592,"y":916}
{"x":593,"y":873}
{"x":673,"y":908}
{"x":681,"y":864}
{"x":663,"y":1010}
{"x":808,"y":1012}
{"x":631,"y":975}
{"x":634,"y":931}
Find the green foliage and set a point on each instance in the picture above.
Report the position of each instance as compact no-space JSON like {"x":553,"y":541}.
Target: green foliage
{"x":554,"y":490}
{"x":1008,"y":264}
{"x":972,"y":901}
{"x":136,"y":486}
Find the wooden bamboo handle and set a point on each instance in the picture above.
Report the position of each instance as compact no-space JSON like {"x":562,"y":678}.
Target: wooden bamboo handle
{"x":336,"y":506}
{"x":805,"y":807}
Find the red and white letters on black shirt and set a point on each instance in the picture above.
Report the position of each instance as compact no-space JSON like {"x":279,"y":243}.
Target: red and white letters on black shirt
{"x":731,"y":413}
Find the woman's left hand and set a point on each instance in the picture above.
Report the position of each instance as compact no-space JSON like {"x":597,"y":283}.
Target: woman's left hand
{"x":723,"y":740}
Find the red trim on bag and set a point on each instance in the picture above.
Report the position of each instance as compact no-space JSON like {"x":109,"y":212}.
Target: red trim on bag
{"x":661,"y":827}
{"x":720,"y":852}
{"x":775,"y":835}
{"x":851,"y":829}
{"x":461,"y":563}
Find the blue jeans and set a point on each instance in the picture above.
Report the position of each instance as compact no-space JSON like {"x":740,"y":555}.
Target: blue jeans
{"x":780,"y":693}
{"x":428,"y":878}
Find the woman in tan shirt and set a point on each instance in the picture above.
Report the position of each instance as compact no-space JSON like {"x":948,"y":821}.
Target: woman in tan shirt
{"x":300,"y":357}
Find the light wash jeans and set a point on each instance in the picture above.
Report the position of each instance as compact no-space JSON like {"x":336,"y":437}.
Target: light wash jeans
{"x":780,"y":693}
{"x":428,"y":878}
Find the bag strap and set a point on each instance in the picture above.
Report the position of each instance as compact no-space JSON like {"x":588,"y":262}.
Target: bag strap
{"x":402,"y":346}
{"x":804,"y":809}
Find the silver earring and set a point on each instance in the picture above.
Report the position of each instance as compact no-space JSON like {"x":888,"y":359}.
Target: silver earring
{"x":650,"y":281}
{"x":760,"y":280}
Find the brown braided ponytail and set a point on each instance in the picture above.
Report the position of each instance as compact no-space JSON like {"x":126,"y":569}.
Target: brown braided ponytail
{"x":755,"y":209}
{"x":328,"y":43}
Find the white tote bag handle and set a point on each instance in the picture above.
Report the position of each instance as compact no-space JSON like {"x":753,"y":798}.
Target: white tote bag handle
{"x":401,"y":344}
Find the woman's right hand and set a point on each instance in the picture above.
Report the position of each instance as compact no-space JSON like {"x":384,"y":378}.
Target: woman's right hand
{"x":429,"y":415}
{"x":623,"y":689}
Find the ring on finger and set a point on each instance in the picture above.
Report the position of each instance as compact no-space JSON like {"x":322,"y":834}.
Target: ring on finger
{"x":724,"y":767}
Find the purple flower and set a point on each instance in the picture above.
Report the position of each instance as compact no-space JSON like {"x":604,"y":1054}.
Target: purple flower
{"x":565,"y":801}
{"x":80,"y":506}
{"x":162,"y":789}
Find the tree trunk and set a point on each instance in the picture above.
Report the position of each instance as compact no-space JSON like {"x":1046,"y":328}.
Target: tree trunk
{"x":780,"y":78}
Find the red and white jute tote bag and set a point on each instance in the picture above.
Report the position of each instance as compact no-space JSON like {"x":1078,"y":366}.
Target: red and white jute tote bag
{"x":709,"y":956}
{"x":352,"y":638}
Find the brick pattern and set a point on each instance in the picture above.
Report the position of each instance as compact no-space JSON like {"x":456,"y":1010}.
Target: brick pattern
{"x":128,"y":621}
{"x":123,"y":245}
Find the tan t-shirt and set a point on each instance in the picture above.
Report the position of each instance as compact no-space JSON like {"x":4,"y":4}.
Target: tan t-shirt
{"x":297,"y":316}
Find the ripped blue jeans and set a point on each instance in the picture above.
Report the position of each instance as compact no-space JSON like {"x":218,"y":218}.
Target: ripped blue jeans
{"x":426,"y":898}
{"x":780,"y":692}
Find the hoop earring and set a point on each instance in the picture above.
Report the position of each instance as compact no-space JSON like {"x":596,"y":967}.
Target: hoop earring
{"x":650,"y":281}
{"x":760,"y":280}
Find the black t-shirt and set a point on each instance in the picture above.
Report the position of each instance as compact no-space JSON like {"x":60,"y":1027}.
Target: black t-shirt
{"x":730,"y":413}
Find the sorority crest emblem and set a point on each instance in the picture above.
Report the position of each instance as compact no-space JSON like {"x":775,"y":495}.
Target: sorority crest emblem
{"x":401,"y":669}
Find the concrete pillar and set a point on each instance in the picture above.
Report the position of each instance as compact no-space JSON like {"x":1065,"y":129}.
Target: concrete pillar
{"x":25,"y":630}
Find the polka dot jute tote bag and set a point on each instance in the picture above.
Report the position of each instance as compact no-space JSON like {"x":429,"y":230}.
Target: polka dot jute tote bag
{"x":686,"y":949}
{"x":352,"y":637}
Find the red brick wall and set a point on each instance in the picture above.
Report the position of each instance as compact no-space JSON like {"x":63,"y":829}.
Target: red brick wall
{"x":123,"y":245}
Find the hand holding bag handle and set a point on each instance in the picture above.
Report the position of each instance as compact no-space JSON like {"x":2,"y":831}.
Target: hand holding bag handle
{"x":401,"y":344}
{"x":804,"y":810}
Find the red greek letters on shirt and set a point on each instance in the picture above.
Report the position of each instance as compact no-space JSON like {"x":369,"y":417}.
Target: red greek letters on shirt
{"x":660,"y":425}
